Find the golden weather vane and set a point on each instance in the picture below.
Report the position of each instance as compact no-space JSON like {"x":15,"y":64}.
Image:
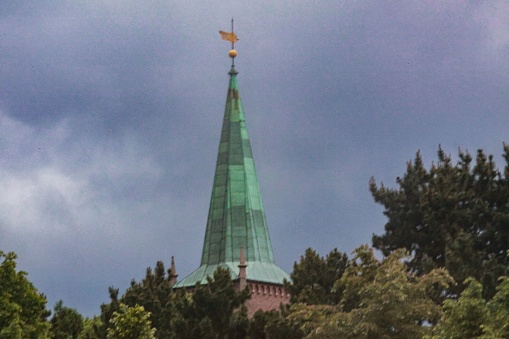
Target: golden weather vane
{"x":230,"y":36}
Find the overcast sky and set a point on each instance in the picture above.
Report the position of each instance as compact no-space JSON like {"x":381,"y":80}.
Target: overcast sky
{"x":111,"y":111}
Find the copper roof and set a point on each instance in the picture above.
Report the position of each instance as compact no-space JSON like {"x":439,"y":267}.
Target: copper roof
{"x":236,"y":217}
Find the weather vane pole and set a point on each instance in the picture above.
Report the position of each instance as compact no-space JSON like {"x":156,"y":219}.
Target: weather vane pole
{"x":230,"y":36}
{"x":233,"y":32}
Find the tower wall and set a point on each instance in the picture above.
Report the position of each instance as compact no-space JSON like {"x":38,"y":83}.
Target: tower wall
{"x":265,"y":297}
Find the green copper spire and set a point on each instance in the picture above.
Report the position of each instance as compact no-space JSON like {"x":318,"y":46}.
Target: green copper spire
{"x":236,"y":217}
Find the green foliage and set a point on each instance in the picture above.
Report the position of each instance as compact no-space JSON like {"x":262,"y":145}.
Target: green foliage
{"x":90,"y":326}
{"x":471,"y":316}
{"x":66,"y":323}
{"x":107,"y":311}
{"x":212,"y":310}
{"x":153,"y":293}
{"x":274,"y":325}
{"x":304,"y":321}
{"x":22,"y":308}
{"x":463,"y":318}
{"x":452,"y":216}
{"x":313,"y":278}
{"x":385,"y":300}
{"x":260,"y":322}
{"x":498,"y":309}
{"x":130,"y":323}
{"x":380,"y":299}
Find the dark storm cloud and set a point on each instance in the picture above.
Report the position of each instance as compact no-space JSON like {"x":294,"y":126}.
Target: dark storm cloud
{"x":110,"y":114}
{"x":103,"y":62}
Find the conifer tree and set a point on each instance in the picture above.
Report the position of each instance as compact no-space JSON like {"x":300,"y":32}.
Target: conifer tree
{"x":66,"y":322}
{"x":107,"y":311}
{"x":153,"y":293}
{"x":313,"y":278}
{"x":212,"y":310}
{"x":453,"y":215}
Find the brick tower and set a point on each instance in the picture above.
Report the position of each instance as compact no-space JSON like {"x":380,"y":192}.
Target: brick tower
{"x":237,"y":235}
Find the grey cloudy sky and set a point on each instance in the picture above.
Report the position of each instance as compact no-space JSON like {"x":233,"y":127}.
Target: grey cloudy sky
{"x":110,"y":115}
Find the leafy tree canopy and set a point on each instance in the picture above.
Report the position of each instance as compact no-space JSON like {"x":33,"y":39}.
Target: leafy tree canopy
{"x":130,"y":323}
{"x":153,"y":292}
{"x":90,"y":327}
{"x":380,"y":299}
{"x":471,"y":316}
{"x":22,"y":308}
{"x":450,"y":215}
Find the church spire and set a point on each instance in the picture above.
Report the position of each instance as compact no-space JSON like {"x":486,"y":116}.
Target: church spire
{"x":236,"y":216}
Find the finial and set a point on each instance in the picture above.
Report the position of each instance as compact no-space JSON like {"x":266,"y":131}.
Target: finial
{"x":230,"y":36}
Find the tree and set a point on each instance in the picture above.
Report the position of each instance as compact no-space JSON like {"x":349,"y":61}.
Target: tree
{"x":272,"y":324}
{"x":385,"y":300}
{"x":471,"y":316}
{"x":66,"y":323}
{"x":303,"y":321}
{"x":90,"y":327}
{"x":107,"y":311}
{"x":131,"y":323}
{"x":22,"y":308}
{"x":153,"y":293}
{"x":452,"y":216}
{"x":498,"y":308}
{"x":463,"y":318}
{"x":213,"y":310}
{"x":313,"y":278}
{"x":380,"y":299}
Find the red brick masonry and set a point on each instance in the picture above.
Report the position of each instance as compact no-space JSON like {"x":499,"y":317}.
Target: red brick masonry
{"x":265,"y":297}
